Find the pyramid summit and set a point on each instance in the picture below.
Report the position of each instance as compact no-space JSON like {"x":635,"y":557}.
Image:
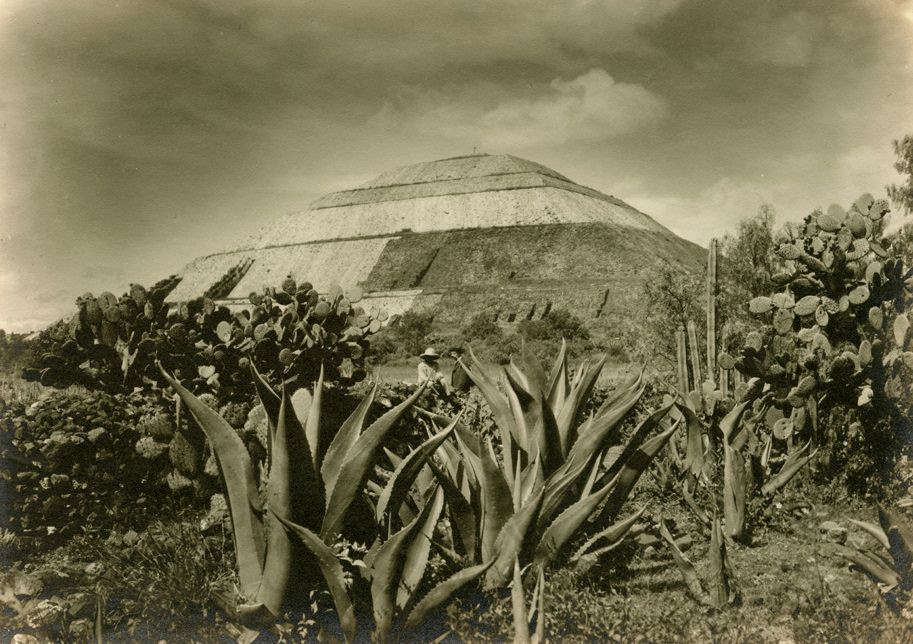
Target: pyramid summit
{"x":462,"y":235}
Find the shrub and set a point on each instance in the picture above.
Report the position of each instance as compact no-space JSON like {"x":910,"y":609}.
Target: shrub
{"x":836,"y":334}
{"x":113,"y":344}
{"x":405,"y":337}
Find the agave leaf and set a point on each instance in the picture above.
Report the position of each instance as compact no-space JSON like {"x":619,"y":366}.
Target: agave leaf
{"x":240,"y":486}
{"x":548,"y":440}
{"x":557,"y":386}
{"x":468,"y":436}
{"x":497,"y":402}
{"x":332,"y":573}
{"x":443,"y":592}
{"x":518,"y":603}
{"x":685,"y":567}
{"x":571,"y":410}
{"x":594,"y":438}
{"x":900,"y":537}
{"x":563,"y":528}
{"x":557,"y":489}
{"x":694,"y":450}
{"x":539,"y":610}
{"x":417,"y":554}
{"x":613,"y":534}
{"x":510,"y":542}
{"x":536,"y":378}
{"x":734,"y":492}
{"x":794,"y":462}
{"x":498,"y":506}
{"x":357,"y":466}
{"x":403,"y":477}
{"x":871,"y":566}
{"x":720,"y":588}
{"x":271,"y":402}
{"x":386,"y":567}
{"x":634,"y":465}
{"x":518,"y":437}
{"x":312,"y":428}
{"x":290,"y":439}
{"x":462,"y":516}
{"x":873,"y":530}
{"x":729,"y":425}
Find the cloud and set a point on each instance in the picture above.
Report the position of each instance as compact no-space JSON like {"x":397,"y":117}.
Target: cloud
{"x":592,"y":107}
{"x":784,"y":41}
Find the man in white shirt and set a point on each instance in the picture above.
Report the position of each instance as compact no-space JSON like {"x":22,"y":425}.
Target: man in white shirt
{"x":427,"y":369}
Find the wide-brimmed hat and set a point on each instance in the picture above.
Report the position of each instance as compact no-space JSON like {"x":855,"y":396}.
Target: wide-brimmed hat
{"x":430,"y":353}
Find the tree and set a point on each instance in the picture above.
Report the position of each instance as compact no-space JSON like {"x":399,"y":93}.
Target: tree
{"x":902,"y":194}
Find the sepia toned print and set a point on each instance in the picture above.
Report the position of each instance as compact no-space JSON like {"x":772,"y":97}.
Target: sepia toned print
{"x":407,"y":321}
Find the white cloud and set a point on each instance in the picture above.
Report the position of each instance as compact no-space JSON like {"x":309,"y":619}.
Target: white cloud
{"x":589,"y":108}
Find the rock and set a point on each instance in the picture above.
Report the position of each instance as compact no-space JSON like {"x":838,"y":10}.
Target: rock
{"x":23,"y":638}
{"x":25,"y":585}
{"x":94,"y":569}
{"x":96,"y":434}
{"x":833,"y":532}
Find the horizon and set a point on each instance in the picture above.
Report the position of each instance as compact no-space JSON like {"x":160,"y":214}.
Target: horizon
{"x":139,"y":137}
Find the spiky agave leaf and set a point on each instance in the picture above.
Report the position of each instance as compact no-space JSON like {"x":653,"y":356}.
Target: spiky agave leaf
{"x":510,"y":542}
{"x":443,"y":592}
{"x":560,"y":531}
{"x":879,"y":570}
{"x":572,"y":409}
{"x":734,"y":492}
{"x":721,"y":591}
{"x":357,"y":466}
{"x":386,"y":569}
{"x":496,"y":499}
{"x":612,"y":535}
{"x":518,"y":603}
{"x":332,"y":573}
{"x":241,"y":487}
{"x":343,"y":441}
{"x":295,"y":491}
{"x":405,"y":474}
{"x":795,"y":461}
{"x":633,"y":466}
{"x":900,"y":537}
{"x":416,"y":559}
{"x":685,"y":567}
{"x":874,"y":530}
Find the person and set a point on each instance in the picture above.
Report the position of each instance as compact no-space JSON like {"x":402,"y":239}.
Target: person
{"x":427,"y":369}
{"x":459,"y":379}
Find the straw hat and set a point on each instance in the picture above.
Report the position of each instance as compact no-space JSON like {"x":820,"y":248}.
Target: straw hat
{"x":430,"y":354}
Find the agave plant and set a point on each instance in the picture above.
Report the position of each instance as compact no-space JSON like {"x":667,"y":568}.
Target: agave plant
{"x":892,"y":573}
{"x":715,"y":588}
{"x":309,"y":486}
{"x":749,"y":477}
{"x":550,"y":473}
{"x":395,"y":565}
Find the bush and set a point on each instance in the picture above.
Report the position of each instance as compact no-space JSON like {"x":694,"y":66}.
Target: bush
{"x":405,"y":337}
{"x":113,"y":344}
{"x":543,"y":337}
{"x":836,"y":334}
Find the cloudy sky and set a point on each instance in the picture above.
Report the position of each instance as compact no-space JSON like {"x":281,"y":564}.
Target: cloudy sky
{"x":136,"y":135}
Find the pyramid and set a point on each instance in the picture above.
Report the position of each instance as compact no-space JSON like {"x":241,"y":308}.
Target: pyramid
{"x":458,"y":236}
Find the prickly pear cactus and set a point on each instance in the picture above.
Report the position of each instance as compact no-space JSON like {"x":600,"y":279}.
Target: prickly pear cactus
{"x":838,"y":331}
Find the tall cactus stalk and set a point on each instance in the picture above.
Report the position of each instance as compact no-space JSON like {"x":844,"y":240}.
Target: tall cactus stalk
{"x":695,"y":355}
{"x":681,"y":359}
{"x":711,"y":308}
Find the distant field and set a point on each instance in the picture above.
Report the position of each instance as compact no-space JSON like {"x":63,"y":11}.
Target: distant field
{"x":611,"y":373}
